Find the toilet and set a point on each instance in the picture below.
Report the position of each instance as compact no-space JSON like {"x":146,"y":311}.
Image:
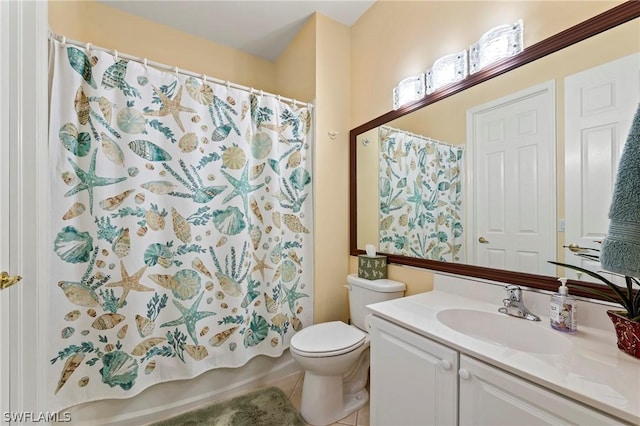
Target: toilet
{"x":335,"y":356}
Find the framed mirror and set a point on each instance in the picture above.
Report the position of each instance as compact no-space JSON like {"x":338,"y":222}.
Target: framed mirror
{"x":389,"y":152}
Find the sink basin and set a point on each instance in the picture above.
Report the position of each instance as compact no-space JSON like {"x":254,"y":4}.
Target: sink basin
{"x":503,"y":330}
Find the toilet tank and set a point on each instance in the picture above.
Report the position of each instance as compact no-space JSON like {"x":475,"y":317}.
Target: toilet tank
{"x":363,"y":292}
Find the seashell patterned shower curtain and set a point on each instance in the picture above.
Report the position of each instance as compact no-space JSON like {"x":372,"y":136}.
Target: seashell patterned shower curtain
{"x":181,"y":222}
{"x":420,"y":196}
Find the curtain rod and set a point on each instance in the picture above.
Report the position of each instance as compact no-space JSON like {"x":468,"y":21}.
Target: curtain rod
{"x":163,"y":67}
{"x":427,"y":138}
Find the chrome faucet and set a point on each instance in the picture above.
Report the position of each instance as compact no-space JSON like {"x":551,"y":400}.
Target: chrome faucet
{"x":514,"y":306}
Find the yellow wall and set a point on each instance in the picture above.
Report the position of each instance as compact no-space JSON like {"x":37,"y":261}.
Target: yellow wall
{"x":333,"y":88}
{"x":396,"y":39}
{"x":296,"y":66}
{"x":93,"y":22}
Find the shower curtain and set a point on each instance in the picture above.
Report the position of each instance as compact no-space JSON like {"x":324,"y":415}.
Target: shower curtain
{"x":420,"y":196}
{"x":181,"y":223}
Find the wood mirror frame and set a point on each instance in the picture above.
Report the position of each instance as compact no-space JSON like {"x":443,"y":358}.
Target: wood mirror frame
{"x":611,"y":18}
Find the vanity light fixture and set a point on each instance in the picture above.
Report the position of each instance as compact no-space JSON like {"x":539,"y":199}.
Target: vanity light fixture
{"x":446,"y":70}
{"x":408,"y":90}
{"x":498,"y":43}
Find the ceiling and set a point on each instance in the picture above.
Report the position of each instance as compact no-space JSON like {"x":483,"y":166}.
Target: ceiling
{"x":263,"y":28}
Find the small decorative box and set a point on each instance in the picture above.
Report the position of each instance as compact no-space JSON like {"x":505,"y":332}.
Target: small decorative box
{"x":372,"y":267}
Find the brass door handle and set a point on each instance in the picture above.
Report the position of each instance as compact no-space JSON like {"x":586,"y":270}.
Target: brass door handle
{"x":7,"y":280}
{"x":483,"y":240}
{"x":576,"y":248}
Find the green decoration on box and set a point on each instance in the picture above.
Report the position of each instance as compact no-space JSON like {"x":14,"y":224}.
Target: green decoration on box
{"x":372,"y":267}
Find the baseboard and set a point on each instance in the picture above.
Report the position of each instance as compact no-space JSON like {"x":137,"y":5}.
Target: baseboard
{"x":172,"y":398}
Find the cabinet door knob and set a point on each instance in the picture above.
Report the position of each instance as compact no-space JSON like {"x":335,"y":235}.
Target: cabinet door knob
{"x":464,"y":374}
{"x":446,"y":365}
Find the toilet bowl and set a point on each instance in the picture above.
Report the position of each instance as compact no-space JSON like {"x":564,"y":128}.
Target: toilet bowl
{"x":335,"y":355}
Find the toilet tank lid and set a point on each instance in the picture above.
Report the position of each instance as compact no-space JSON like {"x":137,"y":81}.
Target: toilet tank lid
{"x":383,"y":286}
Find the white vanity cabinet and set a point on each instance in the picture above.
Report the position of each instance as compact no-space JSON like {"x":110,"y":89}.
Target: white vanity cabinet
{"x":417,"y":381}
{"x":414,"y":381}
{"x":490,"y":396}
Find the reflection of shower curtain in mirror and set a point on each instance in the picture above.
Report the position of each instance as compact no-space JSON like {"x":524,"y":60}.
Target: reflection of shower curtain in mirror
{"x":420,"y":196}
{"x":181,"y":222}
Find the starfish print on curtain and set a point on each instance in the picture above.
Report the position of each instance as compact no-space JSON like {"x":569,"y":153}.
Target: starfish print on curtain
{"x":189,"y":317}
{"x":129,"y":283}
{"x":241,"y":188}
{"x":171,"y":106}
{"x":89,"y":180}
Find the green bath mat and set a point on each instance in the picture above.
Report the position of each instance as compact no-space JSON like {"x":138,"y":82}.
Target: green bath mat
{"x":264,"y":407}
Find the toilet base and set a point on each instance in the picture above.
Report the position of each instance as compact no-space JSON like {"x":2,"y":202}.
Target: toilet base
{"x":323,"y":400}
{"x":354,"y":402}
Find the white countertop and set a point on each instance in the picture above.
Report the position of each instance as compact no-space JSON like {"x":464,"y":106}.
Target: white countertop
{"x":592,"y":370}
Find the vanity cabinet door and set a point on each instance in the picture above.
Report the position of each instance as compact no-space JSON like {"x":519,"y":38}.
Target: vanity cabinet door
{"x":489,"y":396}
{"x":413,"y":379}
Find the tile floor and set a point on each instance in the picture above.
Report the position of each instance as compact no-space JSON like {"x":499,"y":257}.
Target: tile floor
{"x":292,"y":387}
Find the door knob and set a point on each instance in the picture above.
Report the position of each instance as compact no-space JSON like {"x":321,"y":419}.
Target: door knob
{"x":7,"y":280}
{"x":483,"y":240}
{"x":576,"y":248}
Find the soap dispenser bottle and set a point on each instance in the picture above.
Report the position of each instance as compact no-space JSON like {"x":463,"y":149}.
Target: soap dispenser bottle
{"x":563,"y":309}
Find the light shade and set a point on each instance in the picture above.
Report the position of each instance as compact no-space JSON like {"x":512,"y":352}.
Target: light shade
{"x":497,"y":43}
{"x":446,"y":70}
{"x":408,"y":90}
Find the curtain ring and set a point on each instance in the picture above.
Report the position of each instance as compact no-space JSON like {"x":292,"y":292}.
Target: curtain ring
{"x":204,"y":79}
{"x":144,"y":63}
{"x":115,"y":54}
{"x":251,"y":91}
{"x":63,"y":42}
{"x":88,"y":47}
{"x":175,"y":70}
{"x":228,"y":84}
{"x":278,"y":98}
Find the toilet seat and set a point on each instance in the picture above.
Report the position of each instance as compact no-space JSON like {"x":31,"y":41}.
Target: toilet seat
{"x":327,"y":339}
